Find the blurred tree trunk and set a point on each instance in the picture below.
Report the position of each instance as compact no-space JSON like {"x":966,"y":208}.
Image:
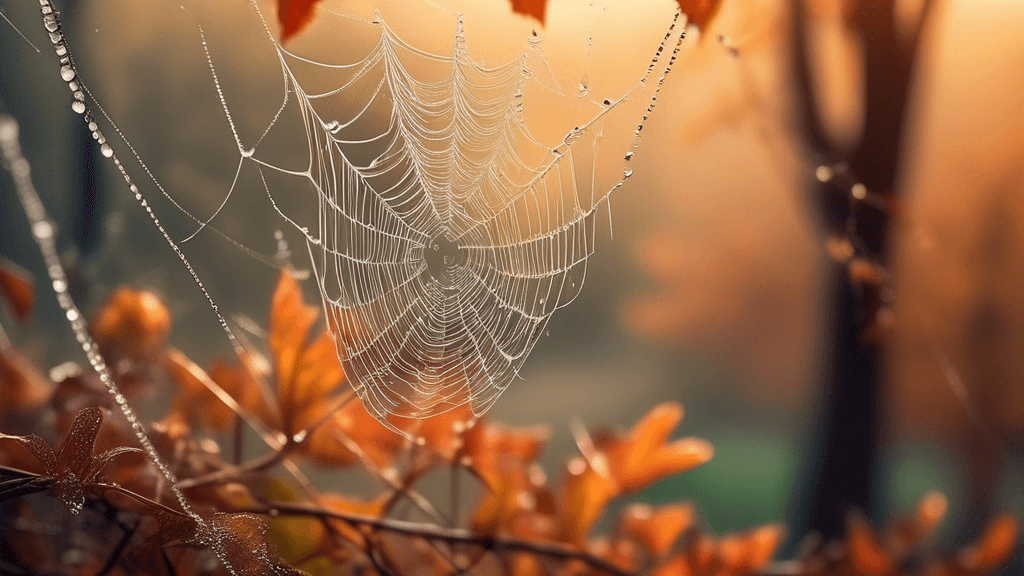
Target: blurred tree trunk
{"x":854,"y":197}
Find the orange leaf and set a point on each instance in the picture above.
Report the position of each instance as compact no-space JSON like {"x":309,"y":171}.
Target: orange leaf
{"x":678,"y":565}
{"x":16,"y":285}
{"x":866,"y":553}
{"x":493,"y":449}
{"x":994,"y":546}
{"x":294,"y":16}
{"x":657,"y":529}
{"x":533,"y":8}
{"x":290,"y":322}
{"x":584,"y":495}
{"x":930,"y":511}
{"x":699,"y":12}
{"x":759,"y":545}
{"x":642,"y":456}
{"x":132,"y":324}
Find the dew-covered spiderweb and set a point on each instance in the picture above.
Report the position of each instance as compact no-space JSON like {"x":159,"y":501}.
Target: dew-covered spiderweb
{"x":442,"y":233}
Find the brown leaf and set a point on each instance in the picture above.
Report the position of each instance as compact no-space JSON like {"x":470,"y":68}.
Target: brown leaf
{"x":24,"y":387}
{"x":132,"y":324}
{"x":75,"y":453}
{"x":16,"y":284}
{"x":240,"y":541}
{"x":39,"y":449}
{"x":294,"y":16}
{"x":534,"y":8}
{"x":642,"y":456}
{"x":699,"y":12}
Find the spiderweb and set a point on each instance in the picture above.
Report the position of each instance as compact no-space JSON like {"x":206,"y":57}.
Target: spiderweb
{"x":445,"y":234}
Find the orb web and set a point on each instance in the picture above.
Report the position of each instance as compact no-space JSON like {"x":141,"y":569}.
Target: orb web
{"x":445,"y":233}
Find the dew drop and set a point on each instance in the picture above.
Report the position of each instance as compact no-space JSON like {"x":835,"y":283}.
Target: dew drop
{"x":106,"y":150}
{"x":627,"y":173}
{"x":859,"y":191}
{"x":60,"y":50}
{"x":67,"y":73}
{"x":78,"y":106}
{"x":823,"y":173}
{"x":629,"y":155}
{"x":50,"y":23}
{"x":42,"y":229}
{"x":72,"y":314}
{"x":59,"y":286}
{"x":607,"y":102}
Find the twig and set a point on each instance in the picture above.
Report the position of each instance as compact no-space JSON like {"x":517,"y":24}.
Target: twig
{"x":236,"y":472}
{"x":449,"y":535}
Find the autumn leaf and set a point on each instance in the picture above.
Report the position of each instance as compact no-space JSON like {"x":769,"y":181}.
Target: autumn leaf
{"x":656,"y":529}
{"x":294,"y":16}
{"x":994,"y":546}
{"x":699,"y":12}
{"x":642,"y":456}
{"x":74,"y":466}
{"x":534,"y":8}
{"x":24,"y":387}
{"x":16,"y":286}
{"x":132,"y":324}
{"x":866,"y":552}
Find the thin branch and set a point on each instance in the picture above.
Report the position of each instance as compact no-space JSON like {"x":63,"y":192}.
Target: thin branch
{"x":449,"y":535}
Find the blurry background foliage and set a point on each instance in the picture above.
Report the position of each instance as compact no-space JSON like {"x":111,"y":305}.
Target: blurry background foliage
{"x":709,"y":294}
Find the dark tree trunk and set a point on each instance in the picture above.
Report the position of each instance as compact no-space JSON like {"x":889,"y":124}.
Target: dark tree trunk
{"x":853,"y":197}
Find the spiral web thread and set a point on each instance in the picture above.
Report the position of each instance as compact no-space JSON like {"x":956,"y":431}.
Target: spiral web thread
{"x":442,"y":255}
